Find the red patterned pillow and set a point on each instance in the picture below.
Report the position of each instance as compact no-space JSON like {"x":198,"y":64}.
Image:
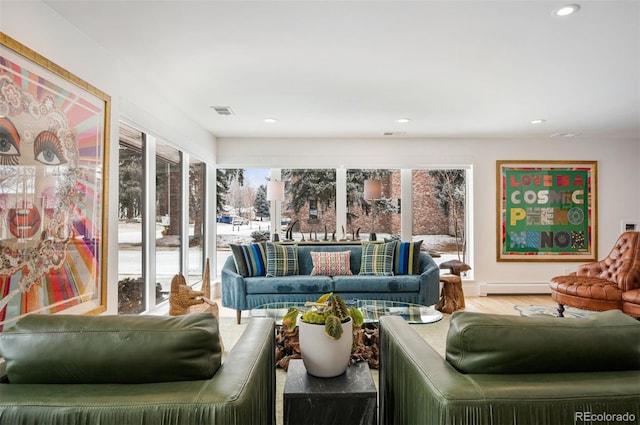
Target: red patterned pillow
{"x":331,"y":263}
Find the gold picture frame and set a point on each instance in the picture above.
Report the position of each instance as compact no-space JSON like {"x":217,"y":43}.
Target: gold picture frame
{"x":54,"y":154}
{"x":546,"y":210}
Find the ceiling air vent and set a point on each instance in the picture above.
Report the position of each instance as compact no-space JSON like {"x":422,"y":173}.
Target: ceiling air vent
{"x":223,"y":110}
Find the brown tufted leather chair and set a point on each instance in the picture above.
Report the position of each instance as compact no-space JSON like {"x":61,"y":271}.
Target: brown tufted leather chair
{"x":612,"y":283}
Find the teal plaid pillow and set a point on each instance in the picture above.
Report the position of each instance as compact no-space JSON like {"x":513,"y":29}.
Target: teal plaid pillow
{"x":282,"y":260}
{"x":377,"y":259}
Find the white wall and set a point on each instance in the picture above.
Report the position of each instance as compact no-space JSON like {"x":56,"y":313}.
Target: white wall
{"x":618,"y":195}
{"x":38,"y":27}
{"x":35,"y":25}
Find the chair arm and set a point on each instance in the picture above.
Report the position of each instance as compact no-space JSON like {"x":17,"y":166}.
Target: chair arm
{"x":629,"y":277}
{"x":590,"y":269}
{"x":247,"y":378}
{"x":417,"y":386}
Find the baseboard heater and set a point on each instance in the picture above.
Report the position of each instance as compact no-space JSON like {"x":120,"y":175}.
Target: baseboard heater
{"x":514,"y":288}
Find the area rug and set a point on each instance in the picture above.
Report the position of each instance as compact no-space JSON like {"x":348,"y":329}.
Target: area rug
{"x":434,"y":333}
{"x":537,"y":310}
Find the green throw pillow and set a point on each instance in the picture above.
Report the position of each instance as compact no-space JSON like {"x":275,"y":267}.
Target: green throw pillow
{"x":282,"y":260}
{"x":377,"y":259}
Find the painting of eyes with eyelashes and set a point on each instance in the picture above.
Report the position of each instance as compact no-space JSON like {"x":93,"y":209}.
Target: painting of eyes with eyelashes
{"x":53,"y":174}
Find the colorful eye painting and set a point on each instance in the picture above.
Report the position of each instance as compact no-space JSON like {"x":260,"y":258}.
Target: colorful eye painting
{"x":53,"y":145}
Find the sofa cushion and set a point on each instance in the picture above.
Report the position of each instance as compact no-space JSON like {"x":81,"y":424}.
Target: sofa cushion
{"x":367,"y":283}
{"x":250,"y":260}
{"x":111,"y":349}
{"x":500,"y":344}
{"x":377,"y":259}
{"x":406,"y":258}
{"x":331,"y":263}
{"x":282,"y":260}
{"x":298,"y":284}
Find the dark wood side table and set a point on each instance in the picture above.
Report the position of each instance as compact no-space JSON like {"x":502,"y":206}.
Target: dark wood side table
{"x":350,"y":398}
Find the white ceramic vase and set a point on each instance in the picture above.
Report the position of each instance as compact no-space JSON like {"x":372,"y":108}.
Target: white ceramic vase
{"x":322,"y":356}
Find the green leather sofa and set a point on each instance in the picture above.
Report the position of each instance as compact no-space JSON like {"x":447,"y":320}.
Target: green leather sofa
{"x":512,"y":370}
{"x":155,"y":370}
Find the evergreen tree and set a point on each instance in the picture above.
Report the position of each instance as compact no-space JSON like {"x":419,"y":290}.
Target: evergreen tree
{"x":261,"y":204}
{"x":305,"y":184}
{"x":130,"y":183}
{"x":224,"y":176}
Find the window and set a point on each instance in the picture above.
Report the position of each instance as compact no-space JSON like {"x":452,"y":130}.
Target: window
{"x":434,"y":207}
{"x":377,"y":216}
{"x":439,"y":211}
{"x":313,"y":210}
{"x":168,"y":217}
{"x":131,"y":288}
{"x":197,"y":176}
{"x":153,"y":217}
{"x":310,"y":201}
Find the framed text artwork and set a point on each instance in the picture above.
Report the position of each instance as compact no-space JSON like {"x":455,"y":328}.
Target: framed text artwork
{"x":53,"y":175}
{"x":546,"y":210}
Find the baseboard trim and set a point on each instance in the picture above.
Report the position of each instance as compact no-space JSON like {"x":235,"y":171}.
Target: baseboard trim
{"x":513,"y":288}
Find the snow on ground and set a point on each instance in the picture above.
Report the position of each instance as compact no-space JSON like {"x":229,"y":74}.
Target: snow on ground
{"x":129,"y":238}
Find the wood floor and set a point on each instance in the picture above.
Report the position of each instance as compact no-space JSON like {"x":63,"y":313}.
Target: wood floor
{"x":503,"y":304}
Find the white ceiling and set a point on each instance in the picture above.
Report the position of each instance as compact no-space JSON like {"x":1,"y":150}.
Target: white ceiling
{"x":457,"y":69}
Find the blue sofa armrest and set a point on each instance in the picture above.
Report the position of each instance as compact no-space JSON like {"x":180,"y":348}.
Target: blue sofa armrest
{"x":429,"y":280}
{"x":234,"y":288}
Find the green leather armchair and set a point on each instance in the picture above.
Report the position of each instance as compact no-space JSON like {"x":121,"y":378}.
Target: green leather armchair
{"x":136,"y":370}
{"x":512,"y":370}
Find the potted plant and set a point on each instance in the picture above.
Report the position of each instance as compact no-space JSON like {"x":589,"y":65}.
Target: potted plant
{"x":326,"y":334}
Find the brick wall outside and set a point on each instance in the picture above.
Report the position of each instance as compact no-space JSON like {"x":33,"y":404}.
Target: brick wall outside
{"x":428,"y":218}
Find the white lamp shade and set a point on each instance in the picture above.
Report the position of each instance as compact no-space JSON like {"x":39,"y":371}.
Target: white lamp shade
{"x":275,"y":190}
{"x":372,"y":189}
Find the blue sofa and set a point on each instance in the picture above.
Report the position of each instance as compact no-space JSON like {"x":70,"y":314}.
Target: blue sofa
{"x":245,"y":293}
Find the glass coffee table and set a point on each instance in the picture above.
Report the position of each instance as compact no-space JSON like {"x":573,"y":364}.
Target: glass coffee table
{"x":371,"y":310}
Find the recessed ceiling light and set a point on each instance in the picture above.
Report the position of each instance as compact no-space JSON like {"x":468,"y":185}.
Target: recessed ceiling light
{"x":403,"y":120}
{"x":566,"y":10}
{"x":270,"y":120}
{"x":537,"y":121}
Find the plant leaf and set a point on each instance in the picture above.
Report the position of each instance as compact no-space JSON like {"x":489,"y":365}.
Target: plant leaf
{"x":291,"y":318}
{"x":323,"y":299}
{"x":333,"y":327}
{"x":356,"y":316}
{"x":340,"y":307}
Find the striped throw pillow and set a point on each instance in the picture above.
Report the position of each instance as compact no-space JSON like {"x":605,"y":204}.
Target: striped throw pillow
{"x":407,"y":258}
{"x":377,"y":259}
{"x":250,"y":259}
{"x":282,"y":260}
{"x":331,"y":263}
